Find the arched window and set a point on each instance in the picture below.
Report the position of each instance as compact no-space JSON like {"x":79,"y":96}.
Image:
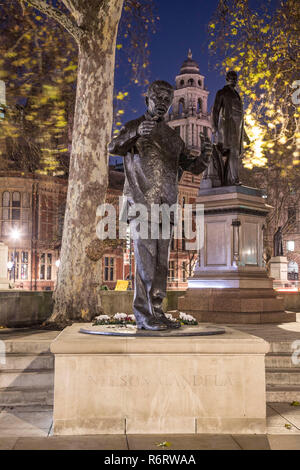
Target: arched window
{"x":181,"y":82}
{"x":199,"y":105}
{"x":191,"y":82}
{"x":181,"y":106}
{"x":293,"y":271}
{"x":199,"y":83}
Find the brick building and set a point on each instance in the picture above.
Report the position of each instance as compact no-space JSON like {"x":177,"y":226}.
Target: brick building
{"x":31,"y":220}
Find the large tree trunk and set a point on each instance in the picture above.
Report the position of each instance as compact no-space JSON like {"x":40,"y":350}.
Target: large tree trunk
{"x":79,"y":277}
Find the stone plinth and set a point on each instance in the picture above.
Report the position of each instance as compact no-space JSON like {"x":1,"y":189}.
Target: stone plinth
{"x":230,"y":281}
{"x":152,"y":385}
{"x":4,"y":284}
{"x":278,"y":268}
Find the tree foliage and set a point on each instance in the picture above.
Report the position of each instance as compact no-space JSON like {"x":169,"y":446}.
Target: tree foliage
{"x":262,"y":45}
{"x":38,"y":63}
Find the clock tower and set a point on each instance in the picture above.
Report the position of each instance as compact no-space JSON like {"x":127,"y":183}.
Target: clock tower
{"x":189,"y":115}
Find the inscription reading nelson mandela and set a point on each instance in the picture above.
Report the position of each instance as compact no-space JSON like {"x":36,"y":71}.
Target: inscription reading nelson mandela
{"x":179,"y":381}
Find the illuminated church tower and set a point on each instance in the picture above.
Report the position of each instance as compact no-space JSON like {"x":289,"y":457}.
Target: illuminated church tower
{"x":189,"y":114}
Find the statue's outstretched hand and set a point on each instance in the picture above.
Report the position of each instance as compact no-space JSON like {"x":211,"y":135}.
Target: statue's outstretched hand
{"x":206,"y":148}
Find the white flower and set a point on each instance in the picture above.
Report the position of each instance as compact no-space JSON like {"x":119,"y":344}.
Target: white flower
{"x":190,"y":318}
{"x":102,"y":318}
{"x":131,"y":317}
{"x":185,"y":317}
{"x":120,"y":316}
{"x":169,"y":316}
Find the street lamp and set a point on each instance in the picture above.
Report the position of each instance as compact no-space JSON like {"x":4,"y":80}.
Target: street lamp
{"x":10,"y":265}
{"x":15,"y":235}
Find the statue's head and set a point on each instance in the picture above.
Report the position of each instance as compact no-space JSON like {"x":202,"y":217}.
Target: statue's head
{"x":159,"y":98}
{"x":231,"y":78}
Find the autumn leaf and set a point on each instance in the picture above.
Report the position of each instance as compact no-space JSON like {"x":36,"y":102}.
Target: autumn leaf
{"x":164,"y":444}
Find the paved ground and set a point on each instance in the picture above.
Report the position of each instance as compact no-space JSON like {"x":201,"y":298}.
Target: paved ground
{"x":273,"y":332}
{"x":31,"y":428}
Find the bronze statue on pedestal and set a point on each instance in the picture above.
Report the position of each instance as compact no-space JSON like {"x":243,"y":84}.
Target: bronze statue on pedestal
{"x":229,"y":136}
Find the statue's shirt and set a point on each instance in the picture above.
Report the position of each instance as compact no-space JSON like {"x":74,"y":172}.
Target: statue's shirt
{"x":154,"y":168}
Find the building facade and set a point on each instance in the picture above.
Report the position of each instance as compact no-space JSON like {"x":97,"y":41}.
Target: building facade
{"x":31,"y":221}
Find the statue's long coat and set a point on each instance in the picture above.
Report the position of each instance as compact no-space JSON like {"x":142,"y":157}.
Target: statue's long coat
{"x":228,"y":119}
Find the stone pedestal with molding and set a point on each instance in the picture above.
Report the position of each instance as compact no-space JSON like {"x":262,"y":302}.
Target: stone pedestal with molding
{"x":159,"y":385}
{"x":4,"y":284}
{"x":230,"y":283}
{"x":279,"y":268}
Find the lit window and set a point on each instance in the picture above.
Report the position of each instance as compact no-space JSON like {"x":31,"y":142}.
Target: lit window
{"x":109,"y":264}
{"x":290,"y":245}
{"x":46,"y":266}
{"x":19,"y":260}
{"x":15,"y":212}
{"x":171,"y":275}
{"x":24,"y":265}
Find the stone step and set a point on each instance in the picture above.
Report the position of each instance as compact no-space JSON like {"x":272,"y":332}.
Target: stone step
{"x":286,"y":393}
{"x":20,"y":361}
{"x":283,"y":377}
{"x":281,"y":347}
{"x":280,"y":360}
{"x":30,"y":379}
{"x":27,"y":347}
{"x":16,"y":396}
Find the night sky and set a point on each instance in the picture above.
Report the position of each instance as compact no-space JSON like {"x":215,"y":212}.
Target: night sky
{"x":182,"y":25}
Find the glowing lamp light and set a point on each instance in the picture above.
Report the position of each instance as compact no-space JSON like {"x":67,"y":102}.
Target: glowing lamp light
{"x":57,"y":263}
{"x":15,"y":234}
{"x":10,"y":265}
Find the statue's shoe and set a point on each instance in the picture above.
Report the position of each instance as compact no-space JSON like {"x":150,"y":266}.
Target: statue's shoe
{"x":149,"y":323}
{"x":159,"y":314}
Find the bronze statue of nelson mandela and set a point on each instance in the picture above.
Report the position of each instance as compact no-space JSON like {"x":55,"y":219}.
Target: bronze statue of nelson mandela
{"x":154,"y":156}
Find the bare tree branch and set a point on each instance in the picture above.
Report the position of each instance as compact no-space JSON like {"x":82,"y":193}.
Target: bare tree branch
{"x":59,"y":16}
{"x":75,"y":8}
